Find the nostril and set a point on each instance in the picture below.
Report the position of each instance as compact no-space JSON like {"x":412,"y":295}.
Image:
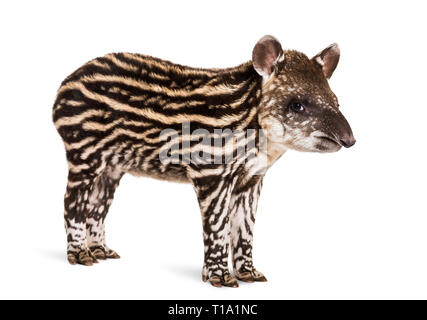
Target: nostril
{"x":347,"y":142}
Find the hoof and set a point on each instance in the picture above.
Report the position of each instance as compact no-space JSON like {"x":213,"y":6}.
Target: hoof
{"x":103,"y":253}
{"x":227,"y":281}
{"x":83,"y":257}
{"x":251,"y":276}
{"x":98,"y":253}
{"x":111,"y":254}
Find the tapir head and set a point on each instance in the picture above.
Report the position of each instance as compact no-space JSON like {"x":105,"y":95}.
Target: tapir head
{"x":298,"y":108}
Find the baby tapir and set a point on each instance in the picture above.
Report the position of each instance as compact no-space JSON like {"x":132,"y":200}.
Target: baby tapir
{"x":218,"y":129}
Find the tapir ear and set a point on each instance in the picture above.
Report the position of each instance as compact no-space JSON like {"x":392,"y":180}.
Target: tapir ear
{"x":328,"y":59}
{"x":265,"y":54}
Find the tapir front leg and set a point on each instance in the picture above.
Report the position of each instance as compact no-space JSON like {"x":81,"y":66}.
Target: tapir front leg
{"x":214,"y":194}
{"x":243,"y":206}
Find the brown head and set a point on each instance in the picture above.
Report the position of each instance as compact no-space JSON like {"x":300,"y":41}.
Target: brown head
{"x":298,"y":109}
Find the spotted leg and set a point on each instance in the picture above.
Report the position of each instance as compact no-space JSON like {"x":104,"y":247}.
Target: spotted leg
{"x":214,"y":195}
{"x":75,"y":216}
{"x":243,"y":206}
{"x":100,"y":198}
{"x":86,"y":203}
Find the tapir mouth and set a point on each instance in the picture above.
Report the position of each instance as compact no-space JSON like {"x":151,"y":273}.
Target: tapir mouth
{"x":329,"y":140}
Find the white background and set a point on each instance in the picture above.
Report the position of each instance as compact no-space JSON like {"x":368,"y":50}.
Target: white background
{"x":347,"y":225}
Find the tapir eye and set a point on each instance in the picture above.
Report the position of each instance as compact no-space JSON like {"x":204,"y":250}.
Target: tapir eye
{"x":297,"y":107}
